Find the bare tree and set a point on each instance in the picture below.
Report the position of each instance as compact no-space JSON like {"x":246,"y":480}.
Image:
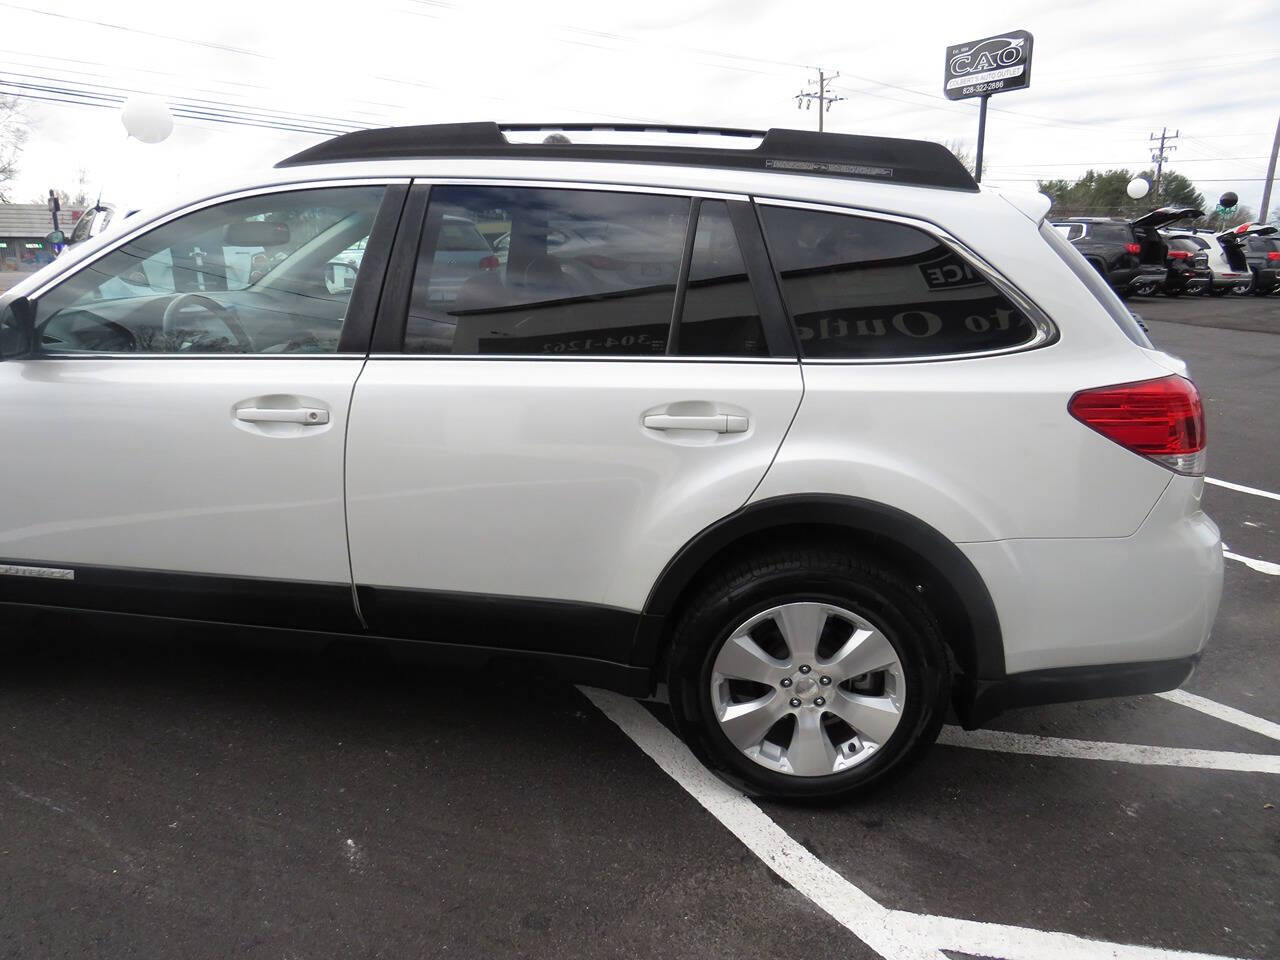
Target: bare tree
{"x":961,"y":149}
{"x":13,"y":136}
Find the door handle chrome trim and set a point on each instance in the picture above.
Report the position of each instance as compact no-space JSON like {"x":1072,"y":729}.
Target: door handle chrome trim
{"x":306,"y":415}
{"x":719,"y":422}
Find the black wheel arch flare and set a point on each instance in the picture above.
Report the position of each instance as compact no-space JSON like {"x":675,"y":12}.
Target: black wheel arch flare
{"x":959,"y":595}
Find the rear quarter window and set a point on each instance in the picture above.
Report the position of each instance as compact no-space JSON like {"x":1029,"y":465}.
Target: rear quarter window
{"x":865,"y":289}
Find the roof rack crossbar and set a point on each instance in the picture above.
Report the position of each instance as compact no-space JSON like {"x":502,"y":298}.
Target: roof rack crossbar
{"x":916,"y":162}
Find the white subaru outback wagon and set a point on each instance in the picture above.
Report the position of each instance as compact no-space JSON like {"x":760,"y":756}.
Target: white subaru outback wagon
{"x":808,"y":427}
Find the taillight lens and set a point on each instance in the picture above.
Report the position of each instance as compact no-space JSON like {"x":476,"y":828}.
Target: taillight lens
{"x":1133,"y":248}
{"x":490,"y":263}
{"x":1273,"y":255}
{"x":1162,"y":420}
{"x":1179,"y":255}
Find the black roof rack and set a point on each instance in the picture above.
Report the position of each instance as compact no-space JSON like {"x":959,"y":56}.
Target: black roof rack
{"x":917,"y":162}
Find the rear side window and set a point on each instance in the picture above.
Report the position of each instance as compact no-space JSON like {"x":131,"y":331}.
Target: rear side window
{"x":1111,"y":232}
{"x":859,"y":288}
{"x":1183,"y":243}
{"x":1097,"y":285}
{"x":1072,"y":231}
{"x":577,"y":272}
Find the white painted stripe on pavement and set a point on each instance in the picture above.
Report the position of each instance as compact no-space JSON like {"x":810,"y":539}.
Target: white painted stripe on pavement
{"x":856,"y":911}
{"x":1262,"y":566}
{"x":893,"y":934}
{"x":1221,"y":711}
{"x":1022,"y":943}
{"x":1240,"y":488}
{"x":1001,"y":741}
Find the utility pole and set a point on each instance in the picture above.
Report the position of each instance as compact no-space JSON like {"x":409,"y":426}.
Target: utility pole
{"x":804,"y":99}
{"x":1160,"y":157}
{"x":1271,"y":175}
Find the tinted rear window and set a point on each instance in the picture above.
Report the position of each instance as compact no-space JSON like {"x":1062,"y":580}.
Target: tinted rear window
{"x":859,"y":288}
{"x":1111,"y":232}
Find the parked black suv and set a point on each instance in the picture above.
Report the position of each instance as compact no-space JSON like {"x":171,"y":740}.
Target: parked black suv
{"x":1131,"y":254}
{"x":1262,"y":251}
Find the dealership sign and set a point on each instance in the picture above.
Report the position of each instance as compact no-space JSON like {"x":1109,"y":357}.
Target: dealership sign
{"x":992,"y":65}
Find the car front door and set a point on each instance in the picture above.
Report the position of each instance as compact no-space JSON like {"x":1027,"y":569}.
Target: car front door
{"x":175,"y":445}
{"x":532,"y":443}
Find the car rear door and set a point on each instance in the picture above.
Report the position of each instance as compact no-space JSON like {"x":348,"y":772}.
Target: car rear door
{"x":176,"y":445}
{"x":530,"y":447}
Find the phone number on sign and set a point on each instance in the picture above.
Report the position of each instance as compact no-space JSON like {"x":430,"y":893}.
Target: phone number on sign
{"x":983,"y":87}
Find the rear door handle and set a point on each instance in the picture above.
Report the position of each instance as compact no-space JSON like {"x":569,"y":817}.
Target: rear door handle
{"x":307,"y":415}
{"x":719,"y":422}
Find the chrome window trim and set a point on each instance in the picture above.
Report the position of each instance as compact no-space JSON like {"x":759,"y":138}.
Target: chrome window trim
{"x":1046,"y":330}
{"x":41,"y":357}
{"x":168,"y":216}
{"x":578,"y":358}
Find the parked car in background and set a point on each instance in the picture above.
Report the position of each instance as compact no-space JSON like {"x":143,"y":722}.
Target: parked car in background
{"x":1131,"y":254}
{"x":1228,"y":270}
{"x":96,"y":220}
{"x":1186,"y":268}
{"x":1261,"y":247}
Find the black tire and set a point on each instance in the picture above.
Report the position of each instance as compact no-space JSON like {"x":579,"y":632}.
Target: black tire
{"x":1219,"y":291}
{"x":860,"y":585}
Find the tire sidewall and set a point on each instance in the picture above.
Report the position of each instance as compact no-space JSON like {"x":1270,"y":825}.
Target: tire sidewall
{"x":905,"y":623}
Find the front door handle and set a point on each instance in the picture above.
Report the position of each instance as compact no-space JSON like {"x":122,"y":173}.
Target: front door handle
{"x":306,"y":415}
{"x":719,"y":422}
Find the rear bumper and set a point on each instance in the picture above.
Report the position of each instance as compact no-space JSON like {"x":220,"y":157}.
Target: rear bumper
{"x":990,"y":698}
{"x":1092,"y":617}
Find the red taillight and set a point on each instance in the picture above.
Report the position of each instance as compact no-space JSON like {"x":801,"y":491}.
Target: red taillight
{"x":1133,"y":248}
{"x":1179,"y":255}
{"x":490,"y":263}
{"x":1160,"y":419}
{"x":1273,"y":255}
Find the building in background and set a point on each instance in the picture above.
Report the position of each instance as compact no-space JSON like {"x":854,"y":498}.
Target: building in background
{"x":23,"y":228}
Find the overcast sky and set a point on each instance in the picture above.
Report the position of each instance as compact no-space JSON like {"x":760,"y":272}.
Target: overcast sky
{"x":1104,"y":76}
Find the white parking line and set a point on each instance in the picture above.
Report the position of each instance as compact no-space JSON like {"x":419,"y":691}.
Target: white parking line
{"x":1239,"y":488}
{"x":1221,"y":711}
{"x":1002,"y":742}
{"x":1023,"y":943}
{"x":1262,"y":566}
{"x":893,"y":934}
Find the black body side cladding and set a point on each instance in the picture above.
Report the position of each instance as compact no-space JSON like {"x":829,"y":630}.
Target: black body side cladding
{"x":510,"y":623}
{"x":1066,"y":684}
{"x":291,"y":604}
{"x":882,"y":526}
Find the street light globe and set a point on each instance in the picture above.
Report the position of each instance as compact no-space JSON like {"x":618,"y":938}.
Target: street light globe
{"x":1137,"y":188}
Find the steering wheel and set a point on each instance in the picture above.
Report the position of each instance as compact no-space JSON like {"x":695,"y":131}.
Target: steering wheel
{"x":171,"y":323}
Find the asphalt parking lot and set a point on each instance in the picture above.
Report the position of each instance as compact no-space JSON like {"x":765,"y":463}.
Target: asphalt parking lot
{"x":163,"y":797}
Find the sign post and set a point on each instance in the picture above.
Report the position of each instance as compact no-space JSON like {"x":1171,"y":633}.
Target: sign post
{"x":980,"y":68}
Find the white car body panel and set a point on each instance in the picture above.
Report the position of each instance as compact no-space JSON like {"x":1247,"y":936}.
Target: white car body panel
{"x":1071,"y":602}
{"x":535,"y":478}
{"x":141,"y":463}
